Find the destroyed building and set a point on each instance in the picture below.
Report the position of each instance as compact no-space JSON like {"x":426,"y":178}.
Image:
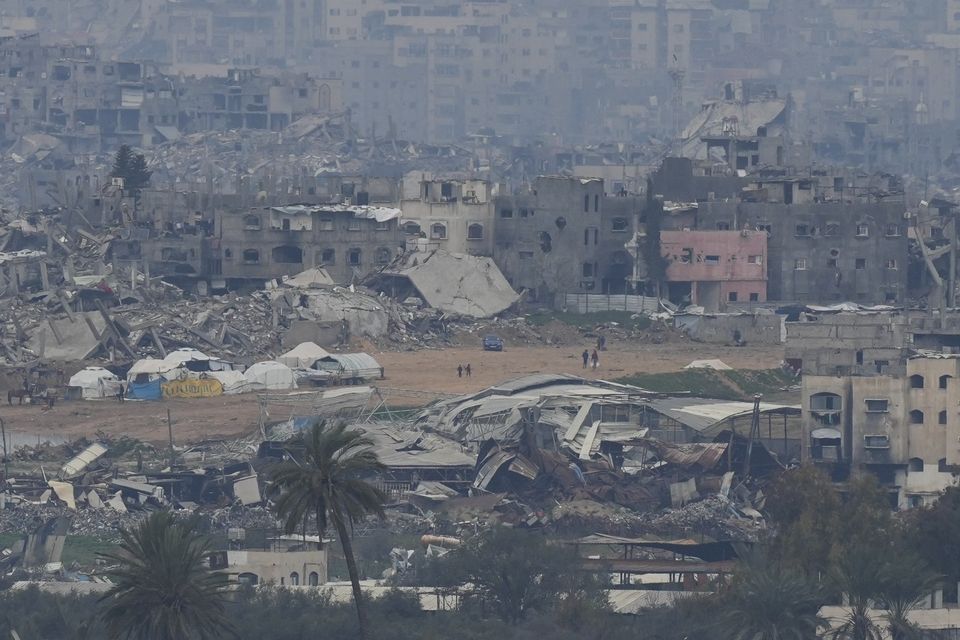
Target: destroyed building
{"x":821,"y":247}
{"x":348,"y":242}
{"x":712,"y":268}
{"x":901,"y":428}
{"x":454,"y":283}
{"x":566,"y":236}
{"x":455,"y":215}
{"x":877,"y":395}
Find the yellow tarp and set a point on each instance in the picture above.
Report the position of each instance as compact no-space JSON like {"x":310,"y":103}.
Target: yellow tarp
{"x":204,"y":388}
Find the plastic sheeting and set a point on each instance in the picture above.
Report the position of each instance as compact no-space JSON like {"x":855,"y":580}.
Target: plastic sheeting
{"x":145,"y":390}
{"x":95,"y":383}
{"x":271,"y":375}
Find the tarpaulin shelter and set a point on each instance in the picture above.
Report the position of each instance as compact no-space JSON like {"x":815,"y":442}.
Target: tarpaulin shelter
{"x":270,"y":375}
{"x":95,"y":383}
{"x":303,"y":356}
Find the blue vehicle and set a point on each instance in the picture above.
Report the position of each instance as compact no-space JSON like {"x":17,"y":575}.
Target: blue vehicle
{"x":492,"y":343}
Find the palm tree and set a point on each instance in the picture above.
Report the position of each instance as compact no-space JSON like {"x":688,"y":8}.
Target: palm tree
{"x":330,"y":485}
{"x":766,"y":602}
{"x":163,"y":588}
{"x":858,"y":575}
{"x":905,"y":581}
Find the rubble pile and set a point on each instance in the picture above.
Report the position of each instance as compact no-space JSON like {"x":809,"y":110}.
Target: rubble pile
{"x":223,"y":159}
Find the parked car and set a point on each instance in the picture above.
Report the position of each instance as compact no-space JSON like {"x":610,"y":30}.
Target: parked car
{"x":492,"y":343}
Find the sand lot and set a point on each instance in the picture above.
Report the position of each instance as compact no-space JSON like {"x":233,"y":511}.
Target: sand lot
{"x":432,"y":370}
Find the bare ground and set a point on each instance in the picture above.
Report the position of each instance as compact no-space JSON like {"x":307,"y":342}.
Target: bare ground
{"x":431,"y":370}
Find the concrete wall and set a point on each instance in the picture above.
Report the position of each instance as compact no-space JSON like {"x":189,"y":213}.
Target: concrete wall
{"x":827,"y":252}
{"x":761,"y":328}
{"x":466,"y":217}
{"x":332,"y":230}
{"x":848,"y":343}
{"x":734,"y":259}
{"x":278,"y":567}
{"x":555,"y":249}
{"x":920,"y":425}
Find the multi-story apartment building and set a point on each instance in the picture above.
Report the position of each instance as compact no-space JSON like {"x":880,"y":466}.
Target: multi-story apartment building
{"x":822,"y":245}
{"x":456,"y":215}
{"x":712,"y":268}
{"x":349,"y":242}
{"x":904,"y":429}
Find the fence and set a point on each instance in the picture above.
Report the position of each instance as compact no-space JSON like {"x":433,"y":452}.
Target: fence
{"x":594,"y":302}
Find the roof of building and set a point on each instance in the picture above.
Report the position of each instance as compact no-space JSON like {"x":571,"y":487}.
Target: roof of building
{"x":353,"y":363}
{"x":380,"y":214}
{"x":405,"y":449}
{"x":702,"y":414}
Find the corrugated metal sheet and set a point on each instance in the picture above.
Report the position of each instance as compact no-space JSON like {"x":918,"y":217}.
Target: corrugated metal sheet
{"x":700,"y":414}
{"x":706,"y":456}
{"x":82,"y":460}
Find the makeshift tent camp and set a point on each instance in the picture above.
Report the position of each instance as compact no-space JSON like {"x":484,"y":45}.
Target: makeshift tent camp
{"x":270,"y":375}
{"x":94,"y":383}
{"x":303,"y":355}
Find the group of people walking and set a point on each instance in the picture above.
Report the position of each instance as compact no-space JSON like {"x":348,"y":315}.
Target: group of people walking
{"x":593,"y":359}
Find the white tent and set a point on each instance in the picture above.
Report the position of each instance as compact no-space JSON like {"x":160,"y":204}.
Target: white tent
{"x":233,"y":381}
{"x":303,"y":355}
{"x":178,"y":357}
{"x":95,"y":383}
{"x":716,"y":365}
{"x":271,"y":375}
{"x":196,"y":361}
{"x":148,"y":369}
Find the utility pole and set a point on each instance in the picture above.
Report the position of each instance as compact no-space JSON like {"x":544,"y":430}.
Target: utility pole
{"x":676,"y":103}
{"x":173,"y":455}
{"x":3,"y":433}
{"x":754,"y":433}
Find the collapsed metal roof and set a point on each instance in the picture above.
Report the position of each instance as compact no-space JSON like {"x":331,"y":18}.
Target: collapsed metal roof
{"x":705,"y":414}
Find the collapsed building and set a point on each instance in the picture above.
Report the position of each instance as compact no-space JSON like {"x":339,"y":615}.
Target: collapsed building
{"x":544,"y":429}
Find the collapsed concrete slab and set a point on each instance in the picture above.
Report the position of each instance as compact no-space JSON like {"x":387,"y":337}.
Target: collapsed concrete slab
{"x":357,"y":313}
{"x":451,"y":282}
{"x":68,"y":339}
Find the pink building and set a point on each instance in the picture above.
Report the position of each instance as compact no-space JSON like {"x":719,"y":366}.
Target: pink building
{"x":712,"y":268}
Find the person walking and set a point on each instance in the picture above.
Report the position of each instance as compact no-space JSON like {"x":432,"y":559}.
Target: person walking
{"x":586,"y":358}
{"x":468,"y":370}
{"x":595,"y":358}
{"x":459,"y":370}
{"x":120,"y":394}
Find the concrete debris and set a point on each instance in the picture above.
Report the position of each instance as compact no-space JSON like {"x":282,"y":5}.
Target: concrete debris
{"x":466,"y":285}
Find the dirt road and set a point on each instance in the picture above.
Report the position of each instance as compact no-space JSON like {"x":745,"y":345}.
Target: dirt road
{"x":437,"y":370}
{"x":425,"y":370}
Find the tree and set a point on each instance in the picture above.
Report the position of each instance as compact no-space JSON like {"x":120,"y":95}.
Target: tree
{"x":517,"y":571}
{"x":768,"y":602}
{"x":858,"y":574}
{"x":132,"y":167}
{"x":163,"y":589}
{"x":803,"y":506}
{"x":330,"y":484}
{"x":933,"y":533}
